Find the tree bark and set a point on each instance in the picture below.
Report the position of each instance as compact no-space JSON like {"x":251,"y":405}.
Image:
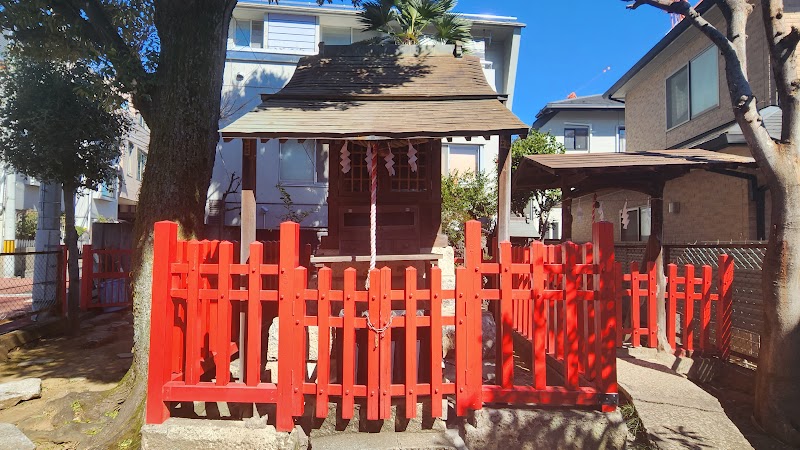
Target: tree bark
{"x":71,"y":241}
{"x":777,"y":402}
{"x":183,"y":120}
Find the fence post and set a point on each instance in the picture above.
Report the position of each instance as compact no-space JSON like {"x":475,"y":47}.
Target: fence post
{"x":473,"y":256}
{"x":619,"y":276}
{"x":725,"y":305}
{"x":687,"y":336}
{"x":504,"y":364}
{"x":86,"y":277}
{"x":539,"y":357}
{"x":705,"y":310}
{"x":164,"y":249}
{"x":672,"y":310}
{"x":652,"y":311}
{"x":571,"y":357}
{"x":603,"y":238}
{"x":288,"y":260}
{"x":62,"y":282}
{"x":636,"y":313}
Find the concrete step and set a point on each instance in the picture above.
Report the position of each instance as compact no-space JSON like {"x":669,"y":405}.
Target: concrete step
{"x":386,"y":441}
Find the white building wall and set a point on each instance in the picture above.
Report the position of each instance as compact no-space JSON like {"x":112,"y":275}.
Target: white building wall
{"x":603,"y":128}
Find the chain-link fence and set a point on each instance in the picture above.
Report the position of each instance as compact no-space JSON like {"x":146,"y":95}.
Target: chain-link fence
{"x":29,"y":283}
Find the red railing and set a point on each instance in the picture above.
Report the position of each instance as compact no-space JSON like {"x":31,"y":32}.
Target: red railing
{"x":198,"y":291}
{"x":689,"y":298}
{"x":108,"y":273}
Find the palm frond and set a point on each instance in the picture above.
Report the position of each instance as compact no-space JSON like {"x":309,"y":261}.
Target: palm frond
{"x":451,"y":28}
{"x":377,"y":15}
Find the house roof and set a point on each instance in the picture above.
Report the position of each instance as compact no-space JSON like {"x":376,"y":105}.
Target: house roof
{"x":589,"y":172}
{"x":662,"y":45}
{"x":586,"y":103}
{"x":383,"y":92}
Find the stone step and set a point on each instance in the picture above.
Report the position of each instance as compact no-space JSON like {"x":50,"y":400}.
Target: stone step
{"x":386,"y":441}
{"x":13,"y":439}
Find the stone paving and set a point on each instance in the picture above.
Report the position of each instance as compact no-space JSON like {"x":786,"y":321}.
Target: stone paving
{"x":676,"y":413}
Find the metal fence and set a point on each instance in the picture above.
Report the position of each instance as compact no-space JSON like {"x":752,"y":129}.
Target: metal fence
{"x":30,"y":282}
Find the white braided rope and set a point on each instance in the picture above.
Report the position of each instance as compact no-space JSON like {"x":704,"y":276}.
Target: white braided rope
{"x":373,"y":209}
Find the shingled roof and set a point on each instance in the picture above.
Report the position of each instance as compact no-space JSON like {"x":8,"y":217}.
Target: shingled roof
{"x":384,"y":92}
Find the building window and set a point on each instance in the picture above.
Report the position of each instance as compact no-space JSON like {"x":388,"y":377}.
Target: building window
{"x":336,"y":35}
{"x":704,"y":78}
{"x":693,"y":89}
{"x":248,"y":33}
{"x":638,"y":225}
{"x":461,"y":158}
{"x":304,"y":162}
{"x":622,"y":142}
{"x":576,"y":138}
{"x":142,"y":162}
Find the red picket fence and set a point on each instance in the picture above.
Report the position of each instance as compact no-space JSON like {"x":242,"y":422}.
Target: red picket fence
{"x":108,"y":273}
{"x":198,"y":291}
{"x":570,"y":328}
{"x":637,"y":290}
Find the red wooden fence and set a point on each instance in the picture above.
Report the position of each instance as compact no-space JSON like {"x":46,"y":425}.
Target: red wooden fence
{"x":688,"y":298}
{"x":197,"y":288}
{"x":108,"y":272}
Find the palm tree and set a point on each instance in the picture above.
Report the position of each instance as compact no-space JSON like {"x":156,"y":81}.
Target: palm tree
{"x":408,"y":21}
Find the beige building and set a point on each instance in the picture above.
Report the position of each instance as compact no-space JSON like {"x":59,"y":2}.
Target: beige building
{"x":676,"y":96}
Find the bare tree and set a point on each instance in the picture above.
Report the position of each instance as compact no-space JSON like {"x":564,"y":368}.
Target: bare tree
{"x":777,"y":405}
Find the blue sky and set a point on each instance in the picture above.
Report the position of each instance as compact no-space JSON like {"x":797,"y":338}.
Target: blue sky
{"x":567,"y":44}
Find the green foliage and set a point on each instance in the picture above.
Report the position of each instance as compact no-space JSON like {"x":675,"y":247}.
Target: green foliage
{"x":543,"y":200}
{"x":467,"y":196}
{"x":406,"y":21}
{"x":291,"y":215}
{"x":59,"y":122}
{"x":26,"y":224}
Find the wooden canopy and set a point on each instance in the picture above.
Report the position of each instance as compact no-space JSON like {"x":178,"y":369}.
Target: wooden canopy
{"x":588,"y":172}
{"x":381,"y":92}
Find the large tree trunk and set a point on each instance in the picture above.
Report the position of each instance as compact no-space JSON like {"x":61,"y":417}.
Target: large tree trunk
{"x":71,"y":240}
{"x":183,"y":119}
{"x":777,"y":406}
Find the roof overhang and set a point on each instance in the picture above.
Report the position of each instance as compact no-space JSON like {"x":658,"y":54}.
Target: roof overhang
{"x":389,"y":119}
{"x":639,"y":171}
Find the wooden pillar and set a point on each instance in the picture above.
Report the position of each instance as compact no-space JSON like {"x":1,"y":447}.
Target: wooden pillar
{"x":248,"y":221}
{"x":504,"y":189}
{"x":655,"y":253}
{"x":566,"y":218}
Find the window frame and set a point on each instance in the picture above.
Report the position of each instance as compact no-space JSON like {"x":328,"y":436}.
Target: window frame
{"x":693,"y":114}
{"x":574,"y":127}
{"x":139,"y":166}
{"x":619,"y":148}
{"x":688,"y":96}
{"x":688,"y":66}
{"x":318,"y":145}
{"x":446,"y":156}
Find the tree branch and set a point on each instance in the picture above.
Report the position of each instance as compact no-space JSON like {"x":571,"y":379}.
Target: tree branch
{"x":670,"y":6}
{"x":99,"y":29}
